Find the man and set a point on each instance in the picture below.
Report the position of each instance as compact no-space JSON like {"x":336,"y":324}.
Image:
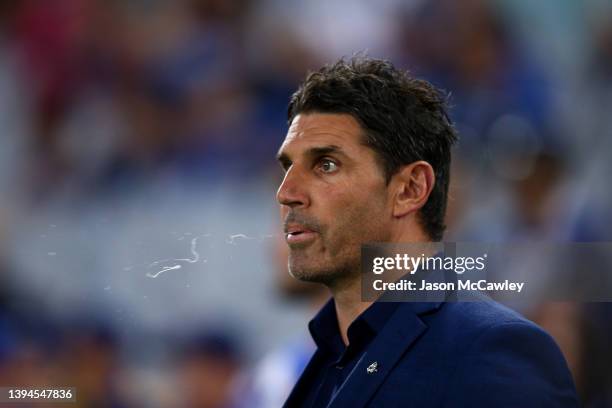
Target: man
{"x":366,"y":159}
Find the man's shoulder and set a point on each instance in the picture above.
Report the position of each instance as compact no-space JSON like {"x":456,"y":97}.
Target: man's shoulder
{"x":454,"y":330}
{"x":471,"y":318}
{"x":459,"y":329}
{"x":485,"y":354}
{"x":503,"y":353}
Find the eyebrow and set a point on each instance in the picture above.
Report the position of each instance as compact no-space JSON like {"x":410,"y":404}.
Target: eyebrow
{"x":284,"y":159}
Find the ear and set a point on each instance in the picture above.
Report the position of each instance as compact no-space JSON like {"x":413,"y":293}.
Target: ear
{"x":412,"y":185}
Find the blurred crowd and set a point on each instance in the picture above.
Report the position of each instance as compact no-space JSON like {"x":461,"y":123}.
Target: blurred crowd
{"x":140,"y":258}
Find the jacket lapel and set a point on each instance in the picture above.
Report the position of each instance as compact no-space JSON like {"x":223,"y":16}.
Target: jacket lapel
{"x":400,"y":332}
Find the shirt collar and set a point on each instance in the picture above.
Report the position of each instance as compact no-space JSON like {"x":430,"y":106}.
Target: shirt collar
{"x":326,"y":333}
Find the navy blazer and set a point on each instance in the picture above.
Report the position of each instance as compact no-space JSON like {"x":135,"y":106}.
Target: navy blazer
{"x":455,"y":354}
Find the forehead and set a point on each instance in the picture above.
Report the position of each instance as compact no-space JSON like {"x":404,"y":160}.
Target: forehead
{"x":311,"y":129}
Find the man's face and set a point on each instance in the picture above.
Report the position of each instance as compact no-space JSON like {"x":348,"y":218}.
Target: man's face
{"x":333,"y":197}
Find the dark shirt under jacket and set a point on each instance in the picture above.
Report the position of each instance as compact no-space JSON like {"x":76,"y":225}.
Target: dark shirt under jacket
{"x":337,"y":360}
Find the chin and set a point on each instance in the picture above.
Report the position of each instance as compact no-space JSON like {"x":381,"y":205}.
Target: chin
{"x":317,"y":274}
{"x":305,"y":274}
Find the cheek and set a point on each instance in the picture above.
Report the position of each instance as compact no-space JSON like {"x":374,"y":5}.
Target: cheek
{"x":335,"y":204}
{"x":354,"y":205}
{"x":359,"y":216}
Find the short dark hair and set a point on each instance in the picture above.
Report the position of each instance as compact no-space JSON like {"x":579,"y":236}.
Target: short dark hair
{"x":405,"y":120}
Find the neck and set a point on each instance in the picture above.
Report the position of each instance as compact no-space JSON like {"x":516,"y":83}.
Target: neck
{"x":347,"y":294}
{"x":349,"y":306}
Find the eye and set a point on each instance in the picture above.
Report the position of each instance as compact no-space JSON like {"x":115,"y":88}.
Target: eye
{"x":327,"y":166}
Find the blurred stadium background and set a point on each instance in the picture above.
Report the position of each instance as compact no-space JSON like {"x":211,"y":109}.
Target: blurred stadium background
{"x":140,"y":255}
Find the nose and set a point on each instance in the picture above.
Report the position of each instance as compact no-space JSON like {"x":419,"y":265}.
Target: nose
{"x":292,"y":192}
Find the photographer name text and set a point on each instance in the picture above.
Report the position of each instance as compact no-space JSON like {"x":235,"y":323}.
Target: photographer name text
{"x":469,"y":285}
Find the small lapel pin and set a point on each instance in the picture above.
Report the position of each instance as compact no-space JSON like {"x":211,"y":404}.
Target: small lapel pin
{"x":372,"y":368}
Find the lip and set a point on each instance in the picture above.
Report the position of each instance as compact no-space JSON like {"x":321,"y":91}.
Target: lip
{"x":299,"y":236}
